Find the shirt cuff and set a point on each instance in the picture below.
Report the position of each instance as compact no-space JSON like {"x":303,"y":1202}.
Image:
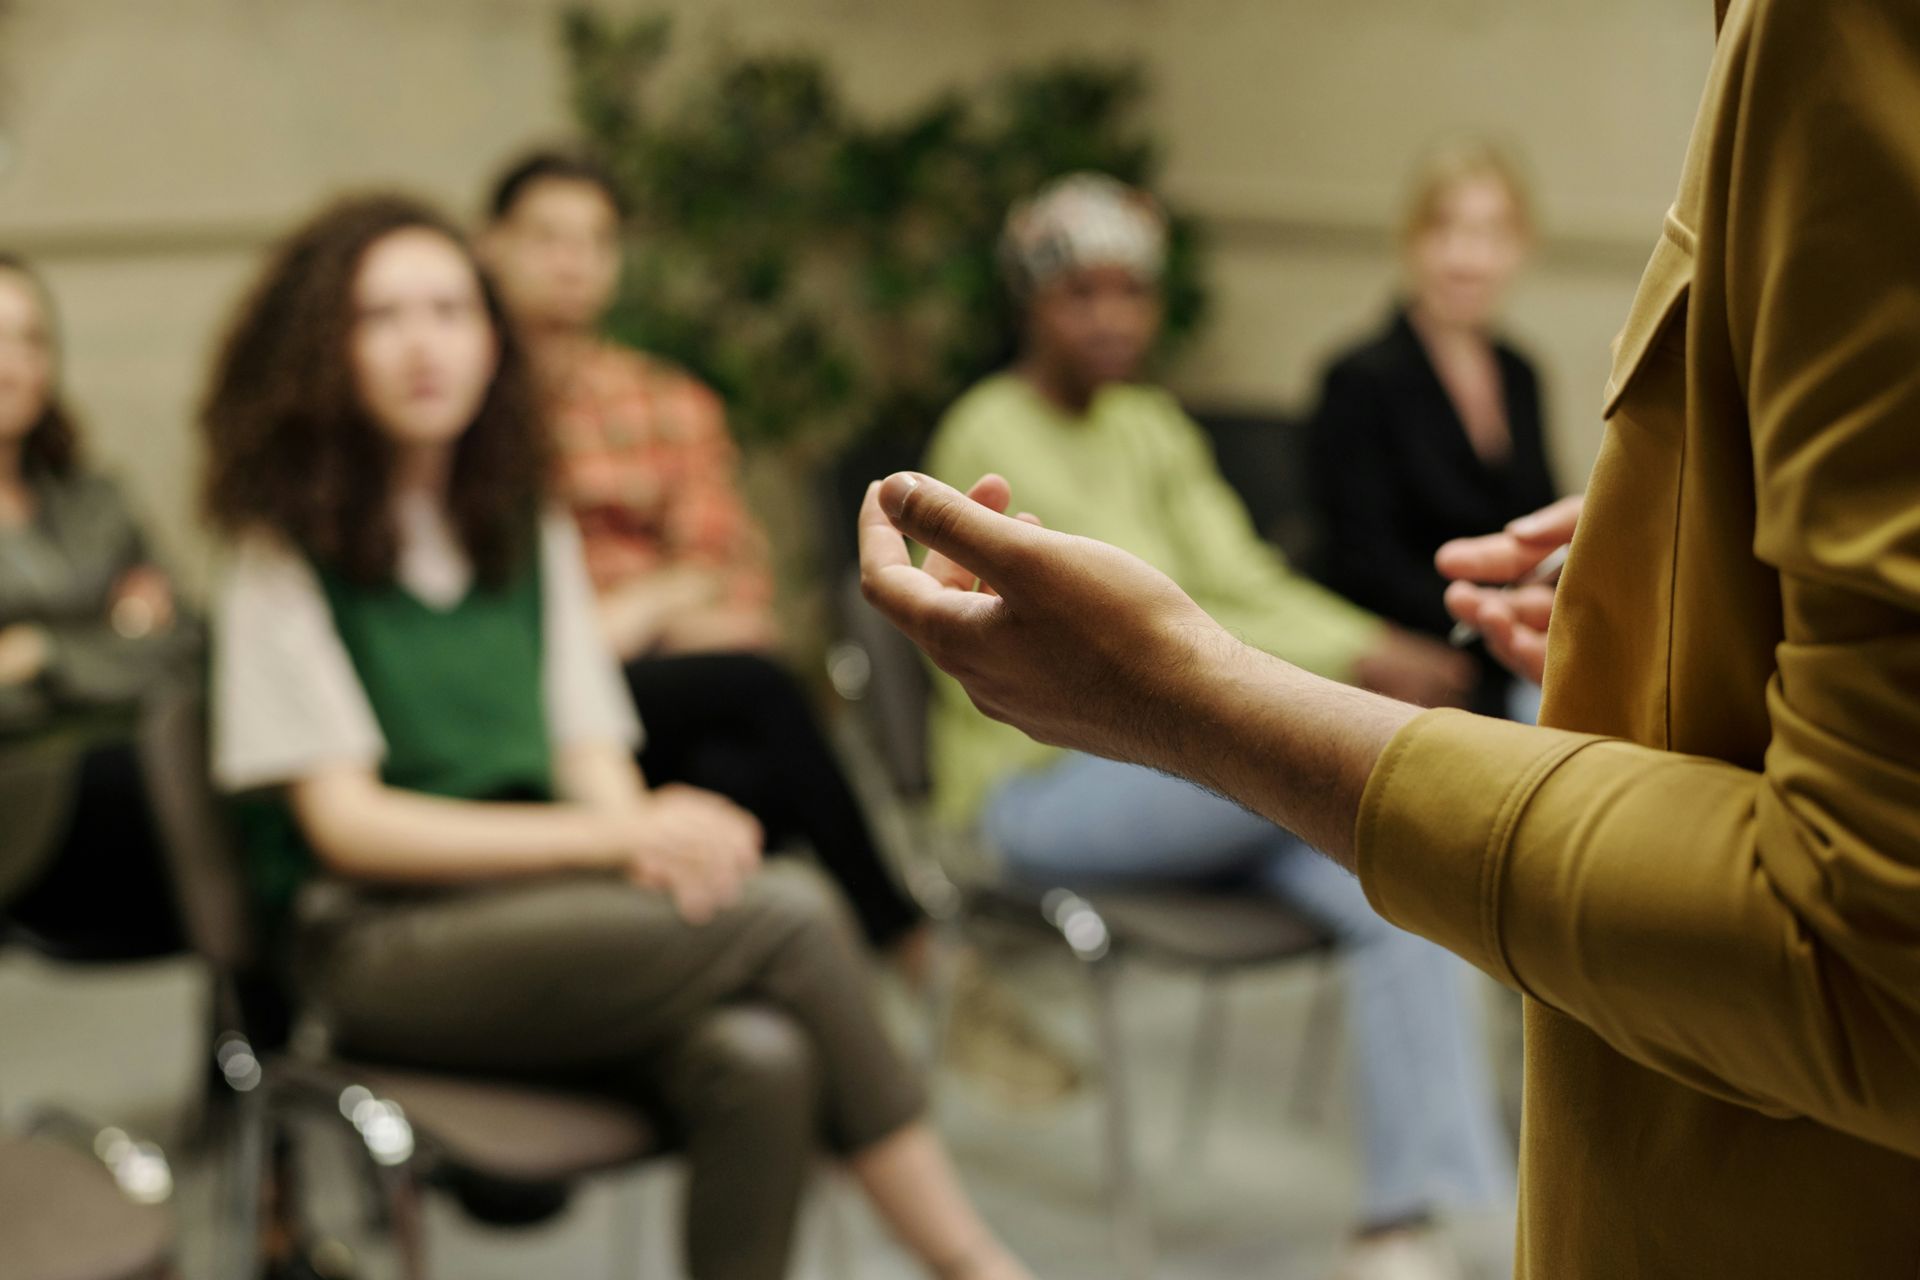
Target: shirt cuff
{"x":1437,"y":820}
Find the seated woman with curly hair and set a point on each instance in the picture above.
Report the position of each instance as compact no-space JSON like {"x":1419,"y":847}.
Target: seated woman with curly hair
{"x":468,"y":870}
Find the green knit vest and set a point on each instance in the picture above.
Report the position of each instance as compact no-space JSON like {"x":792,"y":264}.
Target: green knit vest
{"x":459,"y":695}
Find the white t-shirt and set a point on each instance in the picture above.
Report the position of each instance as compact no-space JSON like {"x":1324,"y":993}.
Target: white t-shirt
{"x":286,"y":700}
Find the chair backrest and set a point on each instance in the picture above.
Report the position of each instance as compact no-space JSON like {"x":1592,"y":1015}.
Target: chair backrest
{"x":842,"y":485}
{"x":898,"y":687}
{"x":1268,"y":459}
{"x":194,"y":833}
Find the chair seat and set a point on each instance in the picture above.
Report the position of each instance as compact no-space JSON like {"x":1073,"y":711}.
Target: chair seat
{"x":1209,"y":928}
{"x":63,"y":1218}
{"x":1180,"y":925}
{"x":509,"y":1130}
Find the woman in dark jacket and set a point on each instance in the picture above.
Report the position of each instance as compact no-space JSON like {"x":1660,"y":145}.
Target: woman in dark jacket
{"x":1431,"y":429}
{"x":88,"y":628}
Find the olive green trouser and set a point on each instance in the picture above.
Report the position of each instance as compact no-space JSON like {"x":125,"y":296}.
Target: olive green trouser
{"x":752,"y":1037}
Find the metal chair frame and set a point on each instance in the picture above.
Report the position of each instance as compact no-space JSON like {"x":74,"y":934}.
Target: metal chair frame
{"x":951,"y":875}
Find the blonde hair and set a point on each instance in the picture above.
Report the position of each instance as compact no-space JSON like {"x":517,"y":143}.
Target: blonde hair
{"x":1457,"y":161}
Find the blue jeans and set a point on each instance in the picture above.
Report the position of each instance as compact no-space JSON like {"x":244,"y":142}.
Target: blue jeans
{"x":1428,"y":1120}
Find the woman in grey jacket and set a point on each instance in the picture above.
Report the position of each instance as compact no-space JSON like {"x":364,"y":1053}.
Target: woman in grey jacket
{"x":89,"y":626}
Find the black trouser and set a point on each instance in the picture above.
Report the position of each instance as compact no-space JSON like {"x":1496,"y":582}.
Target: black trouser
{"x":105,"y":894}
{"x":740,"y":724}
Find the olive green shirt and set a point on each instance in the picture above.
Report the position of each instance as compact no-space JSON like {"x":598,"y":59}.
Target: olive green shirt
{"x":1707,"y":878}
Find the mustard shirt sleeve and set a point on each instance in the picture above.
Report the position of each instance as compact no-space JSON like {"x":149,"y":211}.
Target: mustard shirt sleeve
{"x":1755,"y":935}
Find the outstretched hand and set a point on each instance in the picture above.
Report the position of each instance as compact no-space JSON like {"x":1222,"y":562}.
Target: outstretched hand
{"x":1084,"y":646}
{"x":695,"y":846}
{"x":1071,"y":640}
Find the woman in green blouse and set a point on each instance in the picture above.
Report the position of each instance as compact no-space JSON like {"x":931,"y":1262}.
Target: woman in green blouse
{"x":88,"y":627}
{"x":468,"y":870}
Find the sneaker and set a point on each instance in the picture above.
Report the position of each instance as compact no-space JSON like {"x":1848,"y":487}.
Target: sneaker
{"x":1418,"y":1254}
{"x":993,"y":1041}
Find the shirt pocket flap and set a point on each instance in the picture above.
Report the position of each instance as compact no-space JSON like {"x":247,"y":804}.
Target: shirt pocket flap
{"x":1657,"y":314}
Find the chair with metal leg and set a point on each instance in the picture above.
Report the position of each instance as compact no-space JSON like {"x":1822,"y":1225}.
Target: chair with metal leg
{"x":413,"y":1130}
{"x":1213,"y":934}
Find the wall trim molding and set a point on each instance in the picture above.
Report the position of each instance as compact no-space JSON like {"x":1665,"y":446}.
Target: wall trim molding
{"x":1279,"y":231}
{"x":133,"y":238}
{"x":1286,"y":232}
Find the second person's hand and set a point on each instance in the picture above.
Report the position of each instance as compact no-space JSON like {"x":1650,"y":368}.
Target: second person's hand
{"x":1416,"y":669}
{"x":1512,"y":621}
{"x":696,"y":847}
{"x":1073,"y":641}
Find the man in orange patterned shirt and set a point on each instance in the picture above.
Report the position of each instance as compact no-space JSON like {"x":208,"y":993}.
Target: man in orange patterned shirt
{"x":649,"y":468}
{"x":642,"y":448}
{"x":644,"y":459}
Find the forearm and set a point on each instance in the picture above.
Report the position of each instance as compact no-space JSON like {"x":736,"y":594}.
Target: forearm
{"x":1291,"y":746}
{"x":635,"y":616}
{"x":719,"y":629}
{"x":93,"y":664}
{"x":630,"y":620}
{"x":599,"y":776}
{"x":361,"y":828}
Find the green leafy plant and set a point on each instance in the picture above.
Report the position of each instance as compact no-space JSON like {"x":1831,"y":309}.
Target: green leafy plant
{"x":833,"y":276}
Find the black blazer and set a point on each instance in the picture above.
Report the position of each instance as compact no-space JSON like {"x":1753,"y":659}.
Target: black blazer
{"x":1396,"y":474}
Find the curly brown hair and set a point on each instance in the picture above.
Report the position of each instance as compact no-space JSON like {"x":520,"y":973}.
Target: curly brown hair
{"x":52,"y":444}
{"x":291,"y":449}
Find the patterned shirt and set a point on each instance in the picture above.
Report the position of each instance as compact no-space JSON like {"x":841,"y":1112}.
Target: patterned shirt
{"x":649,"y":469}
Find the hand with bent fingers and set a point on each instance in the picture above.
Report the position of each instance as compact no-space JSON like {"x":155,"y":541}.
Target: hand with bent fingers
{"x":1073,"y":641}
{"x":1512,"y":620}
{"x":994,"y":493}
{"x":697,"y":847}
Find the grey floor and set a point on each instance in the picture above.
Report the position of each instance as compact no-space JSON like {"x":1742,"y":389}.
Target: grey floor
{"x":1265,"y":1193}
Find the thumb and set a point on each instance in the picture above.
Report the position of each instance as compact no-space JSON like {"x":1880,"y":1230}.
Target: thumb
{"x":988,"y":544}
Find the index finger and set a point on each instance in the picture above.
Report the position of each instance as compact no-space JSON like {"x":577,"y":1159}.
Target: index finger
{"x":906,"y":596}
{"x":1496,"y":557}
{"x":992,"y":492}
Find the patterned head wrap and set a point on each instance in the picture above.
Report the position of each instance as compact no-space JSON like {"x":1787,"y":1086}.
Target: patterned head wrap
{"x":1082,"y":220}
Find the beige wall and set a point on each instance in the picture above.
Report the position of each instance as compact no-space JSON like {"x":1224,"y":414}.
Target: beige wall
{"x":156,"y":144}
{"x":1291,"y":125}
